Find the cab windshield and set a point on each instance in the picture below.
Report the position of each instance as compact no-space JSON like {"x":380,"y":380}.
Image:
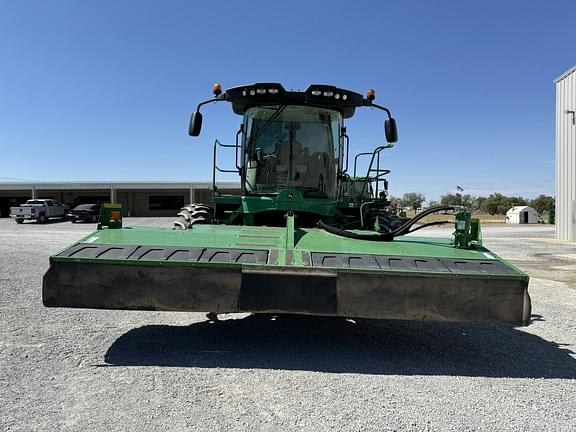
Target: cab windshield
{"x":294,"y":147}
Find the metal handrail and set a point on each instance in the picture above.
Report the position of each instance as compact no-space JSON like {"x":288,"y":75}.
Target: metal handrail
{"x":214,"y":161}
{"x":356,"y":159}
{"x":380,"y":173}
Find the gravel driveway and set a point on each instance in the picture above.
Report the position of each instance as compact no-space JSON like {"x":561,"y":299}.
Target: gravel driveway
{"x":72,"y":370}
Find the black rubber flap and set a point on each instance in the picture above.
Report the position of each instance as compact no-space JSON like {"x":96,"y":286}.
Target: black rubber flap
{"x":410,"y":264}
{"x":288,"y":292}
{"x":166,"y":253}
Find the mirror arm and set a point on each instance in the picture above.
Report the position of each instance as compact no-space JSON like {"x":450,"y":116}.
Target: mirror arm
{"x":222,"y":97}
{"x":389,"y":123}
{"x":380,"y":107}
{"x":195,"y":124}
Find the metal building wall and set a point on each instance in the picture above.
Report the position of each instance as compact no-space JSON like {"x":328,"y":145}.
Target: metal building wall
{"x":134,"y":196}
{"x":566,"y":155}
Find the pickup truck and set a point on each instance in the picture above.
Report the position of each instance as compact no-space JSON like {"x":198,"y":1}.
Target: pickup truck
{"x":39,"y":210}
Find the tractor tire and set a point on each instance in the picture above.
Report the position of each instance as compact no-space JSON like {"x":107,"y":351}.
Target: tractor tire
{"x":384,"y":221}
{"x":192,"y":214}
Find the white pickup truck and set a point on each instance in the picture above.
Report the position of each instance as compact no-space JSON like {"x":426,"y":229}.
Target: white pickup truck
{"x":39,"y":210}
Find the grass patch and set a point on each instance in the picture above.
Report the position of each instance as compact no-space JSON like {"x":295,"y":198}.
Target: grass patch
{"x":484,"y":217}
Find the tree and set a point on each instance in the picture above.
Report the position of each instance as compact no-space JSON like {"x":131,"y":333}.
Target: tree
{"x":450,"y":199}
{"x":478,"y":202}
{"x":497,"y":203}
{"x":414,"y":200}
{"x":516,"y":201}
{"x":457,"y":199}
{"x":494,"y":204}
{"x":543,"y":203}
{"x":395,"y":204}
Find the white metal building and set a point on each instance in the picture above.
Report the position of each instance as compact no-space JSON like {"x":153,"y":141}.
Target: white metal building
{"x":566,"y":155}
{"x":137,"y":198}
{"x":522,"y":215}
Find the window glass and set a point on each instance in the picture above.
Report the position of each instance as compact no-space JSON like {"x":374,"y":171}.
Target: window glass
{"x":294,"y":147}
{"x":86,"y":207}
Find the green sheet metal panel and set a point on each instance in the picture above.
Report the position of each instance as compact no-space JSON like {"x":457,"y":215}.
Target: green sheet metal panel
{"x":307,"y":243}
{"x":309,"y":239}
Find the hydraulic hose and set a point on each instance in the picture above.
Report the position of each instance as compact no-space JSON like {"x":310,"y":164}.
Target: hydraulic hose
{"x":401,"y":230}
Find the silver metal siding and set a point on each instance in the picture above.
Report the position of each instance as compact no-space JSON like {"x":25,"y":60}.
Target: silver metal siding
{"x":566,"y":157}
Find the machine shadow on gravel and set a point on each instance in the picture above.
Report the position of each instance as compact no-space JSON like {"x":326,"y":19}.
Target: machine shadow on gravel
{"x":336,"y":345}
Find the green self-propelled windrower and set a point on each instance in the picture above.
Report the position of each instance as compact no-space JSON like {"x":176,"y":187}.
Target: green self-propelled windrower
{"x":308,"y":234}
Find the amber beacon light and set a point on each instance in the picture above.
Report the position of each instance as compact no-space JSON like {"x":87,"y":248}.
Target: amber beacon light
{"x":371,"y":94}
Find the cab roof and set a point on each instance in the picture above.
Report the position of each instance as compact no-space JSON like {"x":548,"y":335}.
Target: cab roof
{"x":316,"y":95}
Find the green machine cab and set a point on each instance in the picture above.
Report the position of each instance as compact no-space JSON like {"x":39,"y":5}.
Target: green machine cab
{"x":307,"y":234}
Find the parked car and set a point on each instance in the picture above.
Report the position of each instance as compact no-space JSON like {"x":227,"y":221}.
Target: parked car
{"x":39,"y":210}
{"x":84,"y":213}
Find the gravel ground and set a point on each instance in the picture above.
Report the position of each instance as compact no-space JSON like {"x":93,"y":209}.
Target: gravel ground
{"x":71,"y":370}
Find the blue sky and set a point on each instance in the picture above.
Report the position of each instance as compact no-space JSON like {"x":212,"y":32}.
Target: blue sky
{"x":103,"y":90}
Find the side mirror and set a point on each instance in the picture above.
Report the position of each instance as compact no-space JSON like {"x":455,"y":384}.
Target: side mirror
{"x":196,"y":124}
{"x":391,"y":130}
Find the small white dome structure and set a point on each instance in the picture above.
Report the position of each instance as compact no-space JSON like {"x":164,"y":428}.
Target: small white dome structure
{"x":522,"y":215}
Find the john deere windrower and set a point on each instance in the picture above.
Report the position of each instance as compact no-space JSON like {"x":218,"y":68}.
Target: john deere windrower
{"x":307,"y":235}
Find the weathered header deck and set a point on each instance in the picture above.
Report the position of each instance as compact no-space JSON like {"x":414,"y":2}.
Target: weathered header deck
{"x":217,"y":268}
